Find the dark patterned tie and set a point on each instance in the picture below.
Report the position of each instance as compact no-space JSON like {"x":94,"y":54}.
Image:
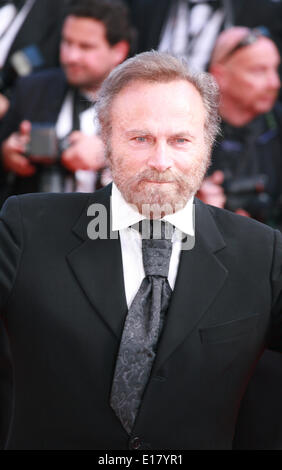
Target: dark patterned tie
{"x":142,"y":327}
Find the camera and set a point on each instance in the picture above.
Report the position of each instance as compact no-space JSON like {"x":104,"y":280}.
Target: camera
{"x":249,"y":193}
{"x":44,"y":144}
{"x":44,"y":150}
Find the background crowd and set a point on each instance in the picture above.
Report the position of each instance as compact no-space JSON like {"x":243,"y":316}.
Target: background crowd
{"x":43,"y":43}
{"x":54,"y":55}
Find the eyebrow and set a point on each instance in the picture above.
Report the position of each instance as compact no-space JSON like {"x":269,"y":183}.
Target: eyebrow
{"x":133,"y":132}
{"x":143,"y":132}
{"x":183,"y":134}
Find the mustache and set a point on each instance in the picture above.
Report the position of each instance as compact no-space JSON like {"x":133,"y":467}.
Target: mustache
{"x":163,"y":177}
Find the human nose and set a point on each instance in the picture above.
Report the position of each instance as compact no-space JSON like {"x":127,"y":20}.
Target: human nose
{"x":70,"y":53}
{"x":160,"y":159}
{"x":274,"y":80}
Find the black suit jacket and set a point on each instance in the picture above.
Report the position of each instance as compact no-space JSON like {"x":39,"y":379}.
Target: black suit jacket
{"x":42,"y":28}
{"x":37,"y":98}
{"x":62,"y":300}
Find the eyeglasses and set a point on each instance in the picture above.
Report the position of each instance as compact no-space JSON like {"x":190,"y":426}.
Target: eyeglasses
{"x":251,"y":37}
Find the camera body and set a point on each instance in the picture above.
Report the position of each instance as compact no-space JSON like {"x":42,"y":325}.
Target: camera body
{"x":44,"y":150}
{"x":249,"y":193}
{"x":44,"y":144}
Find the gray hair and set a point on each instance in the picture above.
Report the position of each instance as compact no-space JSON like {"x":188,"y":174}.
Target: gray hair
{"x":157,"y":67}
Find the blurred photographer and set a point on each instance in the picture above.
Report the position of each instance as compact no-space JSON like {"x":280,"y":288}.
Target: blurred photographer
{"x":49,"y":140}
{"x":249,"y":152}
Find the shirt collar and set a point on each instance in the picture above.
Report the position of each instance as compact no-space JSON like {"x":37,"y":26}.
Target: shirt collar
{"x":124,"y":215}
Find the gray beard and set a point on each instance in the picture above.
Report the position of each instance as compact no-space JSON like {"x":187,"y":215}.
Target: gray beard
{"x":155,"y":201}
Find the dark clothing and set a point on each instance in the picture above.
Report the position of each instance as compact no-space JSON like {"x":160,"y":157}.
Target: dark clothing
{"x":149,"y":17}
{"x":259,"y":419}
{"x":38,"y":97}
{"x":42,"y":29}
{"x":251,"y":159}
{"x":244,"y":154}
{"x":64,"y":330}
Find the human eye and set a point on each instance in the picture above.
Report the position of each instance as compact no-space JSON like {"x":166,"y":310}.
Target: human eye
{"x":89,"y":47}
{"x":179,"y":141}
{"x":142,"y":140}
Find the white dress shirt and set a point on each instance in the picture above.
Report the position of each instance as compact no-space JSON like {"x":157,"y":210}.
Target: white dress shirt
{"x":84,"y":179}
{"x":123,"y":216}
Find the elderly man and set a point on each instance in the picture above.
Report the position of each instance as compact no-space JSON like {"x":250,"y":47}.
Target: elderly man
{"x":96,"y":36}
{"x":245,"y":64}
{"x":128,"y":339}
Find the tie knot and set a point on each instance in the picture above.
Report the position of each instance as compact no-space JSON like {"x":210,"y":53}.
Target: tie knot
{"x":154,"y":229}
{"x":156,"y":247}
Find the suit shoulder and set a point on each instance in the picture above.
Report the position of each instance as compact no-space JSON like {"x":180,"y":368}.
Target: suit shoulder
{"x":43,"y":77}
{"x":53,"y":208}
{"x":42,"y":214}
{"x":58,"y":204}
{"x":49,"y":200}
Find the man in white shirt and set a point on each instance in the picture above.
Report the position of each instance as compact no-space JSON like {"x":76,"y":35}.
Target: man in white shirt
{"x":96,"y":36}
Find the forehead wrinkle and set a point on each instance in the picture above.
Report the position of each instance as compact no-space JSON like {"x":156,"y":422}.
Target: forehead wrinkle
{"x":159,"y":92}
{"x":144,"y":122}
{"x":162,"y":108}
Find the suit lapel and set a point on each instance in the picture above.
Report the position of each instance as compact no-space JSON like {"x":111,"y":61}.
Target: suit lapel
{"x":97,"y":265}
{"x":199,"y":280}
{"x":54,"y":98}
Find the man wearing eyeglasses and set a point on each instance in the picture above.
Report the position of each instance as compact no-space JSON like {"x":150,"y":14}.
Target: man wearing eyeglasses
{"x":245,"y":64}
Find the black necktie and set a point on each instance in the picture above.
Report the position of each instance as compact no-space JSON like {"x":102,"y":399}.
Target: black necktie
{"x":142,"y":328}
{"x":80,"y":103}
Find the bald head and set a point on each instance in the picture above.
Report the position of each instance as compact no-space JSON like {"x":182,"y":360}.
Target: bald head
{"x":245,"y":65}
{"x":227,"y":41}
